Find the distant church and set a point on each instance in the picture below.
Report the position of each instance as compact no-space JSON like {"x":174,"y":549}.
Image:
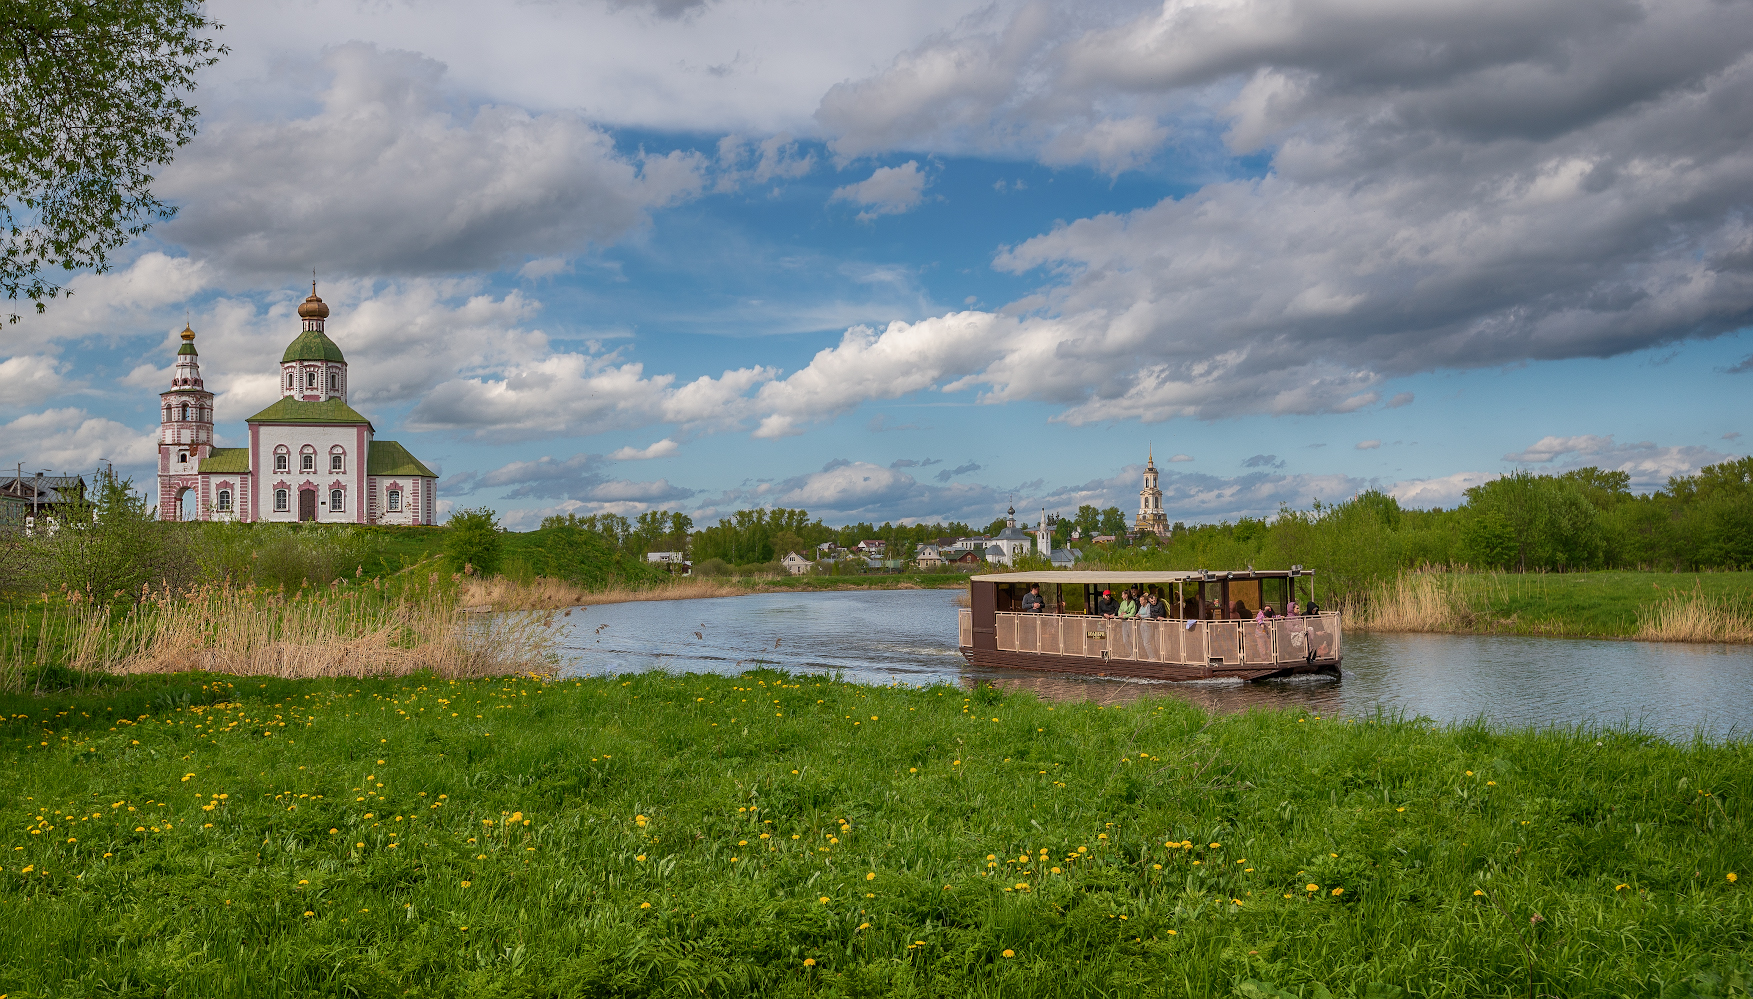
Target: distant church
{"x":311,"y":457}
{"x":1150,"y":502}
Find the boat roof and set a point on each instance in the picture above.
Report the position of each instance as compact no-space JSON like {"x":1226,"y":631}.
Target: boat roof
{"x":1153,"y":576}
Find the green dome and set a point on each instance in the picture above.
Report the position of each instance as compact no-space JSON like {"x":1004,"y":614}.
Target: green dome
{"x":312,"y":345}
{"x":186,"y":348}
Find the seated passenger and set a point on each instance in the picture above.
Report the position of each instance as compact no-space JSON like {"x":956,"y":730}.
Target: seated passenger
{"x":1032,"y":602}
{"x":1292,"y":610}
{"x":1149,"y":609}
{"x":1239,"y":610}
{"x":1128,"y":604}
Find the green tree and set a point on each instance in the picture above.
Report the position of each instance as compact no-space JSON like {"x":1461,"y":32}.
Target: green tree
{"x":104,"y":542}
{"x":474,"y":540}
{"x":1113,"y":521}
{"x":91,"y":94}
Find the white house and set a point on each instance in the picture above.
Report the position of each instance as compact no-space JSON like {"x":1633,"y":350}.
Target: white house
{"x":796,"y":564}
{"x":929,"y":557}
{"x":310,"y":456}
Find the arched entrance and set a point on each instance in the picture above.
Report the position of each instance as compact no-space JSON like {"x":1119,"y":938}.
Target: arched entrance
{"x":307,"y":504}
{"x":186,"y":504}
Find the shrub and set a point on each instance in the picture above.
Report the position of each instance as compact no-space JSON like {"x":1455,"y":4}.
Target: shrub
{"x":474,"y":538}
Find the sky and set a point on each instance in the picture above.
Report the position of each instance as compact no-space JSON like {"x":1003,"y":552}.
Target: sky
{"x":919,"y":261}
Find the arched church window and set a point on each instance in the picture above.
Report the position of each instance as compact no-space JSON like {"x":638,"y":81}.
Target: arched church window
{"x":395,"y":500}
{"x":183,"y":457}
{"x":336,"y":499}
{"x":282,"y":500}
{"x":336,"y":459}
{"x":334,"y":382}
{"x":310,"y":379}
{"x":223,"y":501}
{"x":280,"y":461}
{"x":185,"y":411}
{"x":307,"y":462}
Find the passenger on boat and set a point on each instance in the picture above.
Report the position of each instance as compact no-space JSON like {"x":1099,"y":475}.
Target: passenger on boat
{"x":1148,"y":608}
{"x":1264,"y":613}
{"x":1292,"y":610}
{"x":1128,"y":604}
{"x":1239,"y":610}
{"x":1032,"y":602}
{"x":1313,"y":609}
{"x":1106,"y":605}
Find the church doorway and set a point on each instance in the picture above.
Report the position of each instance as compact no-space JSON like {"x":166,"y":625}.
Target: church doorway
{"x":307,"y":504}
{"x":186,"y":505}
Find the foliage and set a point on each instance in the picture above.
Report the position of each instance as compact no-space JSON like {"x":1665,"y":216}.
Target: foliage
{"x":474,"y":541}
{"x":103,"y":545}
{"x":605,"y":837}
{"x":576,"y":554}
{"x":91,"y":92}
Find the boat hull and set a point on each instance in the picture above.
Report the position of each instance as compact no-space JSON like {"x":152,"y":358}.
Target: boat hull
{"x":1133,"y":669}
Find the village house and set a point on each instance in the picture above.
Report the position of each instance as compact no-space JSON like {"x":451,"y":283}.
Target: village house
{"x":796,"y":564}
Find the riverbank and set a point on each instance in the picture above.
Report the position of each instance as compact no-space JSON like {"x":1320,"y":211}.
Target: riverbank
{"x":789,"y":835}
{"x":501,"y":594}
{"x":1650,"y":606}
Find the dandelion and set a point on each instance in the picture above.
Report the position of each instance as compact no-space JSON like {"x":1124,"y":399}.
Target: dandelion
{"x":1615,"y":888}
{"x":871,"y":876}
{"x":864,"y":926}
{"x":1009,"y":953}
{"x":809,"y":962}
{"x":1733,"y":877}
{"x":645,"y":905}
{"x":1313,"y":887}
{"x":1478,"y":892}
{"x":823,"y":900}
{"x":307,"y":912}
{"x":640,"y":858}
{"x":1339,"y":891}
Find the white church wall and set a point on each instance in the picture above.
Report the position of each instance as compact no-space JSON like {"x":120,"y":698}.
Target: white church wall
{"x":354,"y":441}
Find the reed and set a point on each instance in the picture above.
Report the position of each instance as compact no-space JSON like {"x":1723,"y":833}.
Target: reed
{"x":500,"y":593}
{"x":353,"y":630}
{"x":1427,"y":601}
{"x":1695,"y":616}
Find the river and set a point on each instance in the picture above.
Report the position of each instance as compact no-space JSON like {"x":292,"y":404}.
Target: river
{"x":909,"y":636}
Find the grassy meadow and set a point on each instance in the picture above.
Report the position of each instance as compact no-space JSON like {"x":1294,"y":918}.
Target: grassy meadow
{"x":784,"y":835}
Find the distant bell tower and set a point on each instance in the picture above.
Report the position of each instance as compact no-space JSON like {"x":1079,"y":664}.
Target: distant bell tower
{"x":1150,"y":501}
{"x":186,"y":433}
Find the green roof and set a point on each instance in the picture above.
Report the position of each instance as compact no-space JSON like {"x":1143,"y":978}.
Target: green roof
{"x":186,"y":348}
{"x":289,"y":410}
{"x":227,"y":460}
{"x":312,"y":345}
{"x":390,"y":458}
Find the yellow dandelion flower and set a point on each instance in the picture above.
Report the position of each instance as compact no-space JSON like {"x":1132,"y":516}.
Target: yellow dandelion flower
{"x":1733,"y":877}
{"x":871,"y":876}
{"x":1313,"y":887}
{"x":645,"y":905}
{"x":309,"y":913}
{"x":640,"y":858}
{"x":809,"y":962}
{"x":1009,"y":953}
{"x":467,"y":883}
{"x":1615,"y":888}
{"x":1478,"y":892}
{"x":1339,"y":891}
{"x":823,"y":900}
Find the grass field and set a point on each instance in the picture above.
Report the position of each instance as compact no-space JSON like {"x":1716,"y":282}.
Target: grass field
{"x":790,"y":835}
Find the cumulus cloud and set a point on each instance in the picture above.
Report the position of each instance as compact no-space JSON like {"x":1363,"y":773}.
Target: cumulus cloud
{"x":1446,"y":491}
{"x":1369,"y":445}
{"x":391,"y":175}
{"x":30,"y":379}
{"x":1400,"y":399}
{"x":658,"y":449}
{"x":888,"y":191}
{"x":1450,"y":186}
{"x":579,"y":478}
{"x":70,"y":440}
{"x":1182,"y":457}
{"x":1649,"y":465}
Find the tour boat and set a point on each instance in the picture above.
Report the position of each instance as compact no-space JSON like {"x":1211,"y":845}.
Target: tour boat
{"x":1211,"y":631}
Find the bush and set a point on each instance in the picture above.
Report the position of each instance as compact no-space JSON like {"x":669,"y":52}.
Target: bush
{"x":475,"y":539}
{"x":712,"y":567}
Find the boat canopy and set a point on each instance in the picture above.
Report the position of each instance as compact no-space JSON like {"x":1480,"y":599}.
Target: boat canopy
{"x":1118,"y":577}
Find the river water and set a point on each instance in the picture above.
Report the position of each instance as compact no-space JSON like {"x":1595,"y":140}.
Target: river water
{"x":909,"y":636}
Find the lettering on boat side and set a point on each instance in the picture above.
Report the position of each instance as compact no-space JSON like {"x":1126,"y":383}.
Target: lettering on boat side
{"x":1096,"y":634}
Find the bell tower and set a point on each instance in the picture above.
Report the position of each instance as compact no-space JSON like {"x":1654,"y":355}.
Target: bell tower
{"x":1150,"y":501}
{"x":185,"y":434}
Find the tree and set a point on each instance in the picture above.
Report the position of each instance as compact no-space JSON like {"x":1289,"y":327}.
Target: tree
{"x":1113,"y":521}
{"x":1087,"y":520}
{"x":91,"y":97}
{"x":474,"y":539}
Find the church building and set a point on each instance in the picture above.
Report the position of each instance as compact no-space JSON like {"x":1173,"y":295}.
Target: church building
{"x":1150,"y":502}
{"x":310,"y":456}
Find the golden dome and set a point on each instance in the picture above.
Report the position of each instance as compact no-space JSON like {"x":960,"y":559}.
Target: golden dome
{"x":188,"y":333}
{"x":313,"y":307}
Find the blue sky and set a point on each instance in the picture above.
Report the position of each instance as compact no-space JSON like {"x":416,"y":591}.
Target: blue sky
{"x":910,"y":261}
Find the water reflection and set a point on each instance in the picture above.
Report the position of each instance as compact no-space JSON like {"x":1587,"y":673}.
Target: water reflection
{"x":902,"y":636}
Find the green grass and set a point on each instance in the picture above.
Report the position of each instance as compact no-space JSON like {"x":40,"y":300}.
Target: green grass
{"x":187,"y":837}
{"x":1585,"y":604}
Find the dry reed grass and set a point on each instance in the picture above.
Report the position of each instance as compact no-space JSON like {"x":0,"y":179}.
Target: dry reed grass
{"x":1427,"y":601}
{"x":542,"y":594}
{"x":1695,"y":617}
{"x":356,"y":632}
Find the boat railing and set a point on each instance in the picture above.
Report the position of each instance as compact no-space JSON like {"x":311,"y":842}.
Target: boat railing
{"x":1166,"y":640}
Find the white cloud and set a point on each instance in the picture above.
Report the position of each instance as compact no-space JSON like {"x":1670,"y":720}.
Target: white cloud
{"x":1649,"y":465}
{"x":72,"y":441}
{"x":888,"y":191}
{"x":1401,"y":399}
{"x":1370,"y":445}
{"x":1447,"y":491}
{"x":658,"y":449}
{"x":1182,"y":457}
{"x":391,"y":176}
{"x":30,"y":379}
